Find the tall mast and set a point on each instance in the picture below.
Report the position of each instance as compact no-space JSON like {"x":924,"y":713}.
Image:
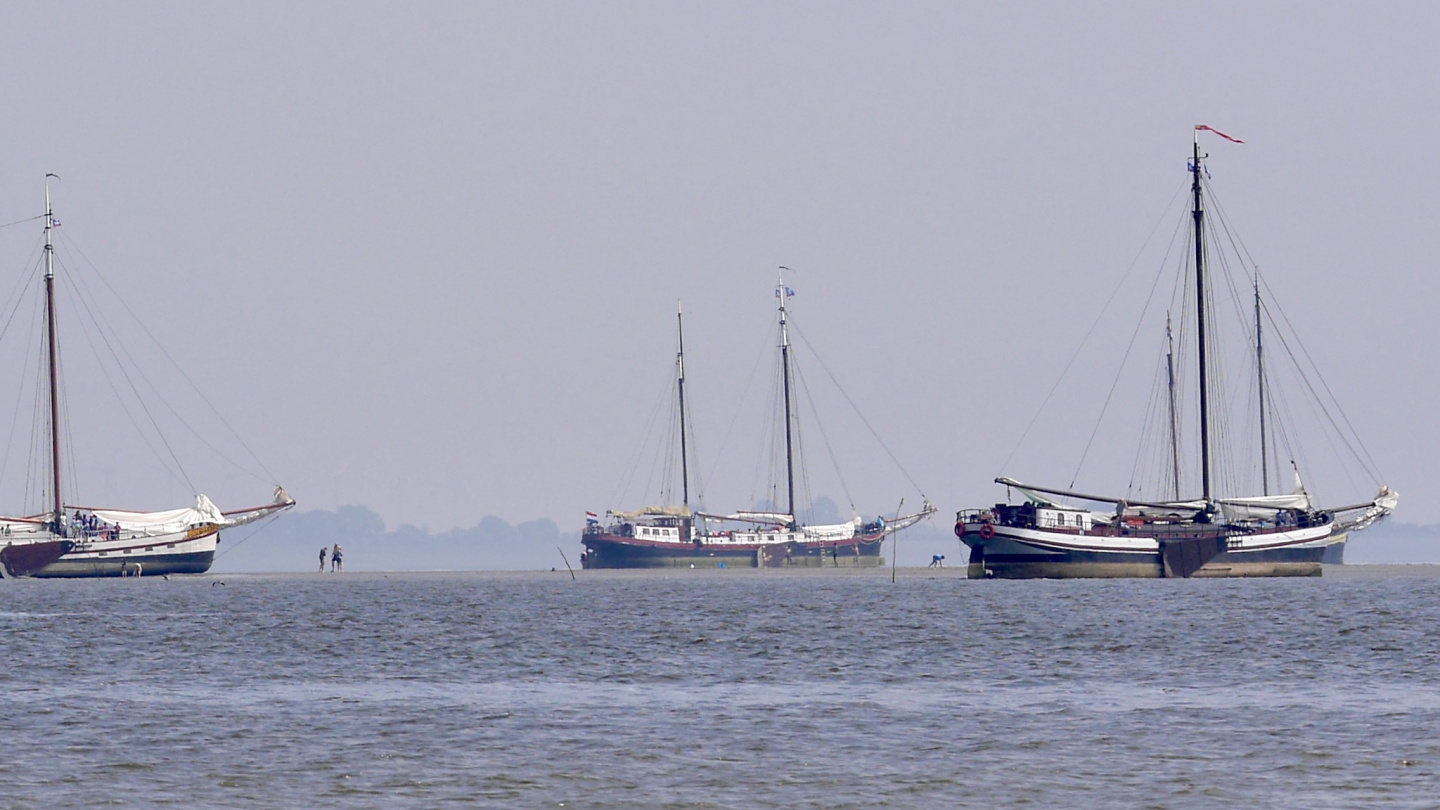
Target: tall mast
{"x":783,"y":293}
{"x":58,"y":513}
{"x":1174,"y":417}
{"x":1260,"y":387}
{"x":680,"y":364}
{"x":1199,"y":214}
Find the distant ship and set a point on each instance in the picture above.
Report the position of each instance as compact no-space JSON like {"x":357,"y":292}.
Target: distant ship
{"x":76,"y":541}
{"x":678,"y":536}
{"x":1052,"y":534}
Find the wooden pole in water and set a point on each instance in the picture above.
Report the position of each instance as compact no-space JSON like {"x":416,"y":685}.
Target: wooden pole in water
{"x":567,"y":562}
{"x":895,"y":547}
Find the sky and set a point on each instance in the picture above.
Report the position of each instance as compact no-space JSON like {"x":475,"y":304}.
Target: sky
{"x":426,"y":258}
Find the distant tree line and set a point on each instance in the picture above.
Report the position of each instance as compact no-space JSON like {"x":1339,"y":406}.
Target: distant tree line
{"x":292,"y":543}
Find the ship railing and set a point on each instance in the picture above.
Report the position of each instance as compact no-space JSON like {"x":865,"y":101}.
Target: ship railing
{"x":977,"y":516}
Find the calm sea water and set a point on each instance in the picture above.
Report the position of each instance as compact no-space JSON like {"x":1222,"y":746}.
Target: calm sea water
{"x":720,"y":689}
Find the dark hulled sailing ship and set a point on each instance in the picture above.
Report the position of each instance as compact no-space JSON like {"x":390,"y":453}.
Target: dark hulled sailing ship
{"x":679,"y":536}
{"x":1059,"y":532}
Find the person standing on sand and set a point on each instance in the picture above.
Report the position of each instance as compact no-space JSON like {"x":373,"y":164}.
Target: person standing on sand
{"x":336,"y":561}
{"x":322,"y":559}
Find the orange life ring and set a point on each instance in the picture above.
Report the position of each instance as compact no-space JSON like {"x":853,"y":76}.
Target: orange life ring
{"x":987,"y":531}
{"x":959,"y":529}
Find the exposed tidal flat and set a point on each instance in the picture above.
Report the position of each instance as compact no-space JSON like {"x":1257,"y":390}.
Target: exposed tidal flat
{"x":734,"y":688}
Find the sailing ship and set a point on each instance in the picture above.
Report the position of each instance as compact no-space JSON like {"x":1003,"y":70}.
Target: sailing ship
{"x":77,"y":541}
{"x":1051,"y":534}
{"x":680,"y":536}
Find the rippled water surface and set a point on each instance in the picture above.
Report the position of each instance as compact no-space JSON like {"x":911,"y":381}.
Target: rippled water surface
{"x":721,"y":689}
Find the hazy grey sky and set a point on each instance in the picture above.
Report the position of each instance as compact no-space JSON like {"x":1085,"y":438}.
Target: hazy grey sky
{"x":425,"y":257}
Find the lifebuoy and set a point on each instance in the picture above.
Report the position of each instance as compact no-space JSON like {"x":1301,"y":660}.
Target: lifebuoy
{"x":959,"y":529}
{"x":987,"y":531}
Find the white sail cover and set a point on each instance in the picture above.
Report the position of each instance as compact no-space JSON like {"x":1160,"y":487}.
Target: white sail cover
{"x":1266,"y":507}
{"x":173,"y":520}
{"x":834,"y":531}
{"x":654,"y":511}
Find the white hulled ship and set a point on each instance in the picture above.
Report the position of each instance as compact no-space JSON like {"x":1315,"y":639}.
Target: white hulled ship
{"x":80,"y":541}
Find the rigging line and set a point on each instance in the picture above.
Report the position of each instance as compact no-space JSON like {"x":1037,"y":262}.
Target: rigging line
{"x":1365,"y":461}
{"x":19,"y":391}
{"x":1149,"y":299}
{"x":694,"y":454}
{"x":1373,"y":469}
{"x":622,"y":486}
{"x":1149,"y":428}
{"x":260,"y":524}
{"x":767,"y":464}
{"x":155,"y":425}
{"x":21,"y":293}
{"x":1098,"y":318}
{"x":1237,"y":244}
{"x":744,"y":395}
{"x":72,"y":479}
{"x":35,"y":479}
{"x":23,"y":221}
{"x":104,"y":328}
{"x":1313,"y":403}
{"x":824,"y":437}
{"x":109,"y":380}
{"x":666,"y":450}
{"x":1239,"y":247}
{"x":857,"y":410}
{"x":71,"y":243}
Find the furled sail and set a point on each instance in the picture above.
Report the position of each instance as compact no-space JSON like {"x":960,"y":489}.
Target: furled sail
{"x":654,"y":511}
{"x":172,"y":520}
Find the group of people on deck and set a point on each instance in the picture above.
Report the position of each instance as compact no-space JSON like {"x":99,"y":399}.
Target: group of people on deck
{"x":337,"y":559}
{"x":91,"y":526}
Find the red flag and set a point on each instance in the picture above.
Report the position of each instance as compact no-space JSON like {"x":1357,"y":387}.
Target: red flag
{"x":1217,"y":132}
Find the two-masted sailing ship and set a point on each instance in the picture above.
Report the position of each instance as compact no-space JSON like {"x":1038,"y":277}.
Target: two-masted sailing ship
{"x":1059,"y":532}
{"x":80,"y":541}
{"x":677,"y":535}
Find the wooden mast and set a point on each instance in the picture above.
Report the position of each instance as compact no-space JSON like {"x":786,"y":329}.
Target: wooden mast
{"x":1199,"y":215}
{"x":1260,"y":387}
{"x":58,"y":512}
{"x":783,"y":293}
{"x":1174,"y":417}
{"x":680,"y":364}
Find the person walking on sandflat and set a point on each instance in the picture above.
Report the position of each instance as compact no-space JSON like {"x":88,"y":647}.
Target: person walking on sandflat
{"x":337,"y":563}
{"x":322,"y":559}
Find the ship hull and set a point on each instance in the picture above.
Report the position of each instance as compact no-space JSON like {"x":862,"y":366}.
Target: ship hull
{"x":191,"y":552}
{"x":25,"y":559}
{"x":614,"y":551}
{"x":1011,"y":554}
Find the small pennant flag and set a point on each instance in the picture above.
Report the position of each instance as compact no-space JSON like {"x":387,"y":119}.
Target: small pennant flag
{"x":789,"y":293}
{"x":1199,"y":127}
